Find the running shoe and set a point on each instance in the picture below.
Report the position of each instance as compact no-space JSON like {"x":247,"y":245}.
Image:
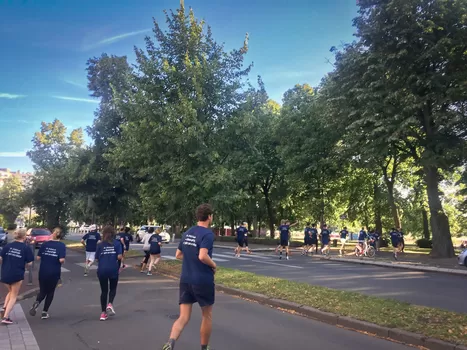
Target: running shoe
{"x":104,"y":316}
{"x":110,"y":310}
{"x":149,"y":273}
{"x":45,"y":315}
{"x":287,"y":258}
{"x":7,"y":320}
{"x":33,"y":309}
{"x":60,"y":283}
{"x":167,"y":346}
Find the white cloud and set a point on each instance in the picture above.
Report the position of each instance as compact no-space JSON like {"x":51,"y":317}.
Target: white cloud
{"x":10,"y":96}
{"x":74,"y":83}
{"x":87,"y":100}
{"x":13,"y":154}
{"x":114,"y":39}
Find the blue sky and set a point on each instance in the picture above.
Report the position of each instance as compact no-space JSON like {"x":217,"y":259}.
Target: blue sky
{"x":45,"y":44}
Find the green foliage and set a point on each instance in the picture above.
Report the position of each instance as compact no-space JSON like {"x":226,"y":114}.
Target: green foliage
{"x":10,"y":199}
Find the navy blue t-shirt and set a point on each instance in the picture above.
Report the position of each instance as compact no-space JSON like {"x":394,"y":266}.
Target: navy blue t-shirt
{"x":314,"y":233}
{"x":193,"y":270}
{"x":127,"y":237}
{"x":119,"y":236}
{"x":284,"y":230}
{"x":307,"y":233}
{"x":51,"y":252}
{"x":242,"y":233}
{"x":107,"y":255}
{"x":362,"y":235}
{"x":344,"y":234}
{"x":91,"y":240}
{"x":325,"y":235}
{"x":15,"y":256}
{"x":154,"y":242}
{"x":395,"y":237}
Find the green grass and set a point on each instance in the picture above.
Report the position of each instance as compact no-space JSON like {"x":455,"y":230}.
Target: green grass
{"x":78,"y":245}
{"x":431,"y":322}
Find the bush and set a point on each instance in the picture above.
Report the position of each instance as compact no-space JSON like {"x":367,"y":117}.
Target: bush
{"x":424,"y":243}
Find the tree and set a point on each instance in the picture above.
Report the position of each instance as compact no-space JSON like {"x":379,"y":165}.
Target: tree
{"x":406,"y":81}
{"x":10,"y":199}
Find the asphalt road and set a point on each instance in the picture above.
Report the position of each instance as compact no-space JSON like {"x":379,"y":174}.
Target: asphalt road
{"x":147,"y":306}
{"x":415,"y":287}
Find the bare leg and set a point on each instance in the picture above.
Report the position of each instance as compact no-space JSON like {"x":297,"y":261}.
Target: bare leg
{"x":182,"y":321}
{"x":206,"y":325}
{"x":152,"y":258}
{"x":12,"y":295}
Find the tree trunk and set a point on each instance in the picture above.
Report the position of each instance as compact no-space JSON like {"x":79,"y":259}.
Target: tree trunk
{"x":442,"y":242}
{"x":232,"y":225}
{"x":392,"y":204}
{"x":378,"y":220}
{"x":270,"y":214}
{"x":426,"y":228}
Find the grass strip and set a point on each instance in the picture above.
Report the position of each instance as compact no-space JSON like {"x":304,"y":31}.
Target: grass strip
{"x":78,"y":245}
{"x":431,"y":322}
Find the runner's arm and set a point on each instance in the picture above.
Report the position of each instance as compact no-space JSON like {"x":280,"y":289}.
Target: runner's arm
{"x":206,"y":259}
{"x":179,"y":254}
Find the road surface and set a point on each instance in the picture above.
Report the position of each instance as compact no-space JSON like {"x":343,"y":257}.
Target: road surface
{"x":415,"y":287}
{"x":147,"y":306}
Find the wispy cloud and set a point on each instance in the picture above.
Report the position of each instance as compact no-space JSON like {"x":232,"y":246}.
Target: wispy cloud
{"x":114,"y":39}
{"x":77,"y":99}
{"x":75,"y":83}
{"x":15,"y":121}
{"x":10,"y":96}
{"x":13,"y":154}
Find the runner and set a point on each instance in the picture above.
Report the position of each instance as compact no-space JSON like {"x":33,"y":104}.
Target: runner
{"x":52,"y":256}
{"x":90,"y":241}
{"x":108,"y":254}
{"x":242,"y":240}
{"x":284,"y":230}
{"x":314,"y":238}
{"x":362,"y":236}
{"x":395,"y":241}
{"x":197,"y":278}
{"x":155,"y":242}
{"x":15,"y":256}
{"x":402,"y":241}
{"x":307,"y":239}
{"x":372,"y":239}
{"x":344,"y":234}
{"x":127,"y":238}
{"x":146,"y":248}
{"x":325,"y":237}
{"x":121,"y":238}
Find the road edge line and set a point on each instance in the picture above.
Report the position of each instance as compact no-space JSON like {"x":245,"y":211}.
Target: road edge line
{"x":391,"y":334}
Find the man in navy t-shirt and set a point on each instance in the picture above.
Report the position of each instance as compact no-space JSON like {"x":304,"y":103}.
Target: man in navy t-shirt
{"x":242,"y":239}
{"x":314,"y":237}
{"x":362,"y":236}
{"x":307,"y":239}
{"x":284,"y":231}
{"x":395,"y":241}
{"x":90,"y":241}
{"x":344,"y":234}
{"x":197,"y":278}
{"x":325,"y":238}
{"x":127,"y":239}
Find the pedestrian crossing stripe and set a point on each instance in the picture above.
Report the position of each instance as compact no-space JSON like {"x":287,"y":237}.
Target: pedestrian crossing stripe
{"x":83,"y":265}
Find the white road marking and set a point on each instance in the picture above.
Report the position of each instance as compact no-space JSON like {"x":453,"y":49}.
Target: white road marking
{"x":229,"y":257}
{"x":83,"y":265}
{"x":278,"y":264}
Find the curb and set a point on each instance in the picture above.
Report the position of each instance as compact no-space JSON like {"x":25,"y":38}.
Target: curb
{"x":373,"y":263}
{"x":392,"y":334}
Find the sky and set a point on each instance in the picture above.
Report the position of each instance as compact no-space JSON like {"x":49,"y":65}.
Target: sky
{"x":44,"y":46}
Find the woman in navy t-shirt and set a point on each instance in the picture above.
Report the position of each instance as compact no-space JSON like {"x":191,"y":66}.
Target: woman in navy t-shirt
{"x":108,"y":254}
{"x":155,"y":242}
{"x":52,"y":256}
{"x":14,"y":257}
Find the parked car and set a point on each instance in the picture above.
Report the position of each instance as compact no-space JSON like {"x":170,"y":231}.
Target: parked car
{"x":144,"y":229}
{"x":462,"y":258}
{"x":38,"y":236}
{"x":3,"y":237}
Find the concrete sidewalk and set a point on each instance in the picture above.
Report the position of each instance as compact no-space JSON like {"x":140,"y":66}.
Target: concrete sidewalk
{"x":408,"y":261}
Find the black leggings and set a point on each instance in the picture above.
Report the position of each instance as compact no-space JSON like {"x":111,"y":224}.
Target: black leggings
{"x":146,"y":256}
{"x":105,"y":283}
{"x":47,"y":291}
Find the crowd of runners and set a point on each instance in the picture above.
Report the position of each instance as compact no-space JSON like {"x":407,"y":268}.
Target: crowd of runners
{"x":368,"y":243}
{"x":195,"y":250}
